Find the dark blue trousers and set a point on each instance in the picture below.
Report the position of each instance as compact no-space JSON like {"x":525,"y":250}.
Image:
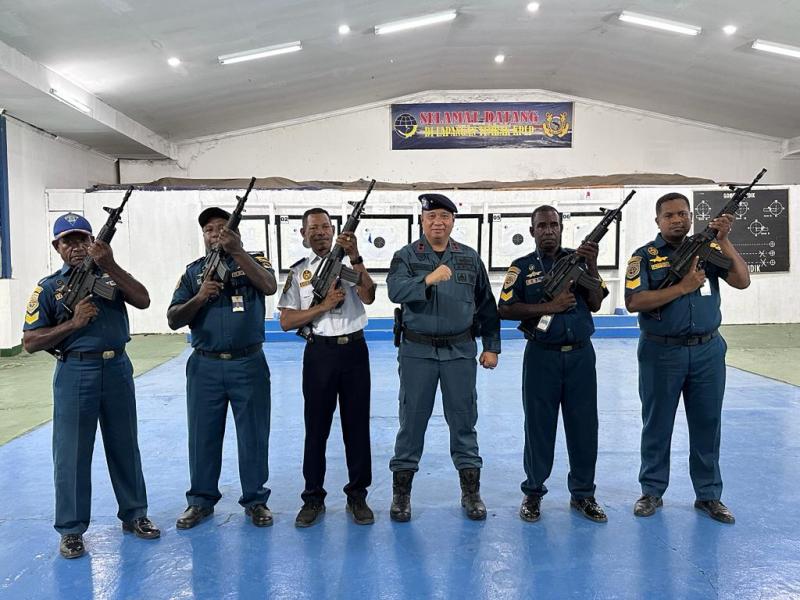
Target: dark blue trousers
{"x":552,"y":379}
{"x":85,"y":392}
{"x":212,"y":384}
{"x":419,"y":378}
{"x":697,"y":372}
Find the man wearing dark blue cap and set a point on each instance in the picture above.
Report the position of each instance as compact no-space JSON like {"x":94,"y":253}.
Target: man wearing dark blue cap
{"x":93,"y":382}
{"x":446,"y":302}
{"x":227,"y":366}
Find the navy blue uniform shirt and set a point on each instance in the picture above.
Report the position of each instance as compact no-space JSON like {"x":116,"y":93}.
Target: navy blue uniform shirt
{"x":107,"y":331}
{"x":691,"y":314}
{"x":524,"y":282}
{"x":232,"y":321}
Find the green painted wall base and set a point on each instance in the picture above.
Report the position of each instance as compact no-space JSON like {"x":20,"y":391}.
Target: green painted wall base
{"x":11,"y":351}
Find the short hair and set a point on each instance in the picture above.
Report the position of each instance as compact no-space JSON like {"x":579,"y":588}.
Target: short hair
{"x":545,"y":208}
{"x":669,"y":197}
{"x":314,"y":211}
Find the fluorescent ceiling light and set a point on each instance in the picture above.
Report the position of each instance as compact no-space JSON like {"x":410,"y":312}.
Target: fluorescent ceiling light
{"x":344,"y":29}
{"x":174,"y":61}
{"x":433,"y":19}
{"x":70,"y":101}
{"x":729,"y":29}
{"x":237,"y":57}
{"x":500,"y":58}
{"x":657,"y":23}
{"x":775,"y":48}
{"x":533,"y":6}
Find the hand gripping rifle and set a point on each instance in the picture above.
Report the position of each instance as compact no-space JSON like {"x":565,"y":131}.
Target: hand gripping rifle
{"x":85,"y":279}
{"x":700,"y":244}
{"x":331,"y":268}
{"x":571,"y":269}
{"x":216,"y":267}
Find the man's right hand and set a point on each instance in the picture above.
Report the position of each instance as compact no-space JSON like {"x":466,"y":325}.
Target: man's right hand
{"x":85,"y":311}
{"x":440,"y":273}
{"x":694,"y":279}
{"x":333,"y":297}
{"x":209,"y":290}
{"x":563,"y":302}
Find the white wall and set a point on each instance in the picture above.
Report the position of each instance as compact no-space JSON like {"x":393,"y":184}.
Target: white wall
{"x":354,"y":144}
{"x":160,"y":235}
{"x":37,"y":161}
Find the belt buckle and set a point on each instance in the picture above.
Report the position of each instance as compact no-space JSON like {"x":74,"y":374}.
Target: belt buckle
{"x":567,"y":348}
{"x":225,"y":355}
{"x":343,"y":339}
{"x":693,"y":341}
{"x":109,"y":354}
{"x":438,"y":342}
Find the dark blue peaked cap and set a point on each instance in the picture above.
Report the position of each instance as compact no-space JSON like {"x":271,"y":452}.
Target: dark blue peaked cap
{"x":434,"y":201}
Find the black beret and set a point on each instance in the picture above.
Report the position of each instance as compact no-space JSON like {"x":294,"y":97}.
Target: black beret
{"x":212,"y":213}
{"x":434,"y":201}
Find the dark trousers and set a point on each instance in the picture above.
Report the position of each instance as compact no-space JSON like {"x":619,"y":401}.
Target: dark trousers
{"x":551,"y":380}
{"x":419,"y":378}
{"x":331,"y":372}
{"x":697,"y":372}
{"x":85,"y":392}
{"x":212,"y":384}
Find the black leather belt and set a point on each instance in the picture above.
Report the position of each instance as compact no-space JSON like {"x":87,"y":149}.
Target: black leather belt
{"x":438,"y":341}
{"x":240,"y":353}
{"x":104,"y":355}
{"x":559,"y":347}
{"x":681,"y":340}
{"x":339,"y":340}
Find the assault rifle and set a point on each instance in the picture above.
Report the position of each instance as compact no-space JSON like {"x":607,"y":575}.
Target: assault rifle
{"x":215,"y":266}
{"x":331,"y":269}
{"x":571,"y":269}
{"x":700,"y":244}
{"x":85,"y":279}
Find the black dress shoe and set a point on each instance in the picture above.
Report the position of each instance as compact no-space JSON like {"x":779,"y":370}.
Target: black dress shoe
{"x":589,"y":508}
{"x":529,"y":510}
{"x":143,"y":528}
{"x":260,"y":514}
{"x":71,"y":545}
{"x":193,"y":515}
{"x":716,"y":510}
{"x":646,"y":505}
{"x":362,"y":514}
{"x":311,"y":512}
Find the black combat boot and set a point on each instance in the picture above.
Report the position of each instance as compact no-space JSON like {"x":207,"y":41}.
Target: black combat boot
{"x":401,"y":496}
{"x":471,"y":494}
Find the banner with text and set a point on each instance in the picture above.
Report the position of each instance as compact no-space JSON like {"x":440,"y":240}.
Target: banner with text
{"x":482,"y":125}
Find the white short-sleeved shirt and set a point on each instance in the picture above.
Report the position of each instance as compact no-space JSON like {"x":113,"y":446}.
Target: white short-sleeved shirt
{"x":298,"y":294}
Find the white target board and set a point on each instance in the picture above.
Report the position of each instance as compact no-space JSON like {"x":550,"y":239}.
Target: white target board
{"x":510,"y":238}
{"x":467,"y":231}
{"x":291,"y":246}
{"x":379,"y":237}
{"x":254,"y":234}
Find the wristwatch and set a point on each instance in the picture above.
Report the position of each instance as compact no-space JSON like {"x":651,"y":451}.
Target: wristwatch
{"x":357,"y":260}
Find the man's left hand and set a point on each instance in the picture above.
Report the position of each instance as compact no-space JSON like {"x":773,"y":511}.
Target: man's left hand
{"x":488,"y":360}
{"x":723,"y":226}
{"x":349,"y":244}
{"x":102,"y":254}
{"x":589,"y":251}
{"x":230,"y":241}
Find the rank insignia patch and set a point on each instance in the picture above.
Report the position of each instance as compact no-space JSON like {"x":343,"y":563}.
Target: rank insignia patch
{"x":506,"y":296}
{"x":288,"y":283}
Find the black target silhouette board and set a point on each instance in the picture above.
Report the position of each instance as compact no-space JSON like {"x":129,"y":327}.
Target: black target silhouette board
{"x":761,"y":229}
{"x":380,"y":236}
{"x":510,"y":238}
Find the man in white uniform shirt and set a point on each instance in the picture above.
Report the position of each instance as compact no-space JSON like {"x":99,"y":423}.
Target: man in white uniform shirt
{"x":335,"y":364}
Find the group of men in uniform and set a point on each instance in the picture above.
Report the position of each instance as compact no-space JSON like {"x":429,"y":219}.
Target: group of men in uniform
{"x":446,"y":304}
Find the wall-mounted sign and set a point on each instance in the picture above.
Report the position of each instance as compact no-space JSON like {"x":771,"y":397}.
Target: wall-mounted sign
{"x":482,"y":125}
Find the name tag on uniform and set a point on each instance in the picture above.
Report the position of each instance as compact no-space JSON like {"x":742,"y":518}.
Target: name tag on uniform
{"x":705,"y":290}
{"x":544,"y":323}
{"x":238,"y":303}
